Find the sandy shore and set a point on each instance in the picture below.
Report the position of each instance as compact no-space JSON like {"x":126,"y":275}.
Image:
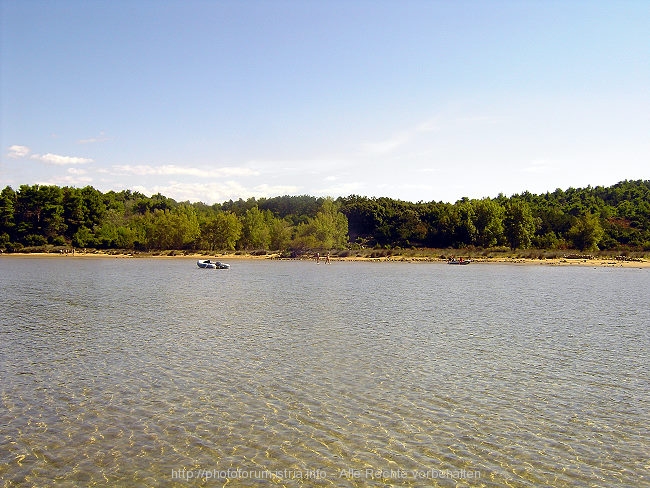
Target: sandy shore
{"x":593,"y":262}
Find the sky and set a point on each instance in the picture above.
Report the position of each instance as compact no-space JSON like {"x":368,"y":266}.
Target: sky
{"x":208,"y":100}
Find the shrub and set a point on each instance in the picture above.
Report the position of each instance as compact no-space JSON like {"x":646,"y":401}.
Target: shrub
{"x":58,"y":241}
{"x":35,"y":240}
{"x":14,"y":247}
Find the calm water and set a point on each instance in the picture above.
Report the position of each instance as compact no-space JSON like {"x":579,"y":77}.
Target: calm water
{"x":145,"y":372}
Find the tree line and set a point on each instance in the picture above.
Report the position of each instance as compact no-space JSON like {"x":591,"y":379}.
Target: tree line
{"x":615,"y":217}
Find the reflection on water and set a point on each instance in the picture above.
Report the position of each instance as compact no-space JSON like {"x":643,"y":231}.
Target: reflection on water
{"x":149,"y":372}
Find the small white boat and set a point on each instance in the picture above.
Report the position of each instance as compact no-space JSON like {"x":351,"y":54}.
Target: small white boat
{"x":459,"y":261}
{"x":207,"y":264}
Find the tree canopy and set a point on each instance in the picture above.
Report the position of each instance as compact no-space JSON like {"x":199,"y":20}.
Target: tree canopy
{"x":615,"y":217}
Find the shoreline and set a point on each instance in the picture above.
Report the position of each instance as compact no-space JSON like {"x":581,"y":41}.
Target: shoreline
{"x":563,"y":261}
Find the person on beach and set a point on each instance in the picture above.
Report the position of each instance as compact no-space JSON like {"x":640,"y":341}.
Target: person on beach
{"x":317,"y":258}
{"x":327,"y":258}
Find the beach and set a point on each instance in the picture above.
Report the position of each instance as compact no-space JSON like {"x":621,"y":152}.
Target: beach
{"x":590,"y":261}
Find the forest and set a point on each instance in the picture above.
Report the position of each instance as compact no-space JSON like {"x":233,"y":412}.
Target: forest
{"x":46,"y":218}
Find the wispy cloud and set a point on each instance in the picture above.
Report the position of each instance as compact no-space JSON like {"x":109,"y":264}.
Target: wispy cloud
{"x":173,"y":170}
{"x":310,"y":166}
{"x":478,"y":120}
{"x":266,"y":191}
{"x":59,"y":160}
{"x":401,"y":138}
{"x":387,"y":145}
{"x":17,"y":152}
{"x":91,"y":140}
{"x":540,"y":166}
{"x":216,"y":191}
{"x":67,"y":180}
{"x":348,"y":188}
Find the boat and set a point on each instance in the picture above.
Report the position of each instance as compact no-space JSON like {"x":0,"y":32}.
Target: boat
{"x":207,"y":264}
{"x":458,"y":261}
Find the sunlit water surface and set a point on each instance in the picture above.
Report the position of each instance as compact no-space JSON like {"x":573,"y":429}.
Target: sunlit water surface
{"x":152,"y":372}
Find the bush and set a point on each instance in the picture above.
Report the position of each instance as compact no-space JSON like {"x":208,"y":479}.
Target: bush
{"x":14,"y":247}
{"x":58,"y":241}
{"x":547,"y":241}
{"x":502,"y":249}
{"x":380,"y":254}
{"x":35,"y":240}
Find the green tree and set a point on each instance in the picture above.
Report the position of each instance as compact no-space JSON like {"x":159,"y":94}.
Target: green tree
{"x":327,"y":230}
{"x":586,"y":232}
{"x":222,"y":231}
{"x":116,"y":231}
{"x":8,"y":199}
{"x":456,"y":223}
{"x":364,"y":215}
{"x":74,"y":211}
{"x":172,"y":229}
{"x":280,"y":233}
{"x":255,"y":229}
{"x":93,"y":206}
{"x":409,"y":227}
{"x":519,"y":224}
{"x":83,"y":237}
{"x":488,"y":222}
{"x":39,"y":212}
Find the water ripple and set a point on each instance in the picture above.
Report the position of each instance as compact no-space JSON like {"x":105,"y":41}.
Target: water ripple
{"x":129,"y":372}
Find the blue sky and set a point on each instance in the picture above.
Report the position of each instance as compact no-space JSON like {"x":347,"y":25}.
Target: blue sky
{"x":414,"y":100}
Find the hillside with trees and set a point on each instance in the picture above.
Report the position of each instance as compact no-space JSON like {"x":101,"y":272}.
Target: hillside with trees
{"x":43,"y":217}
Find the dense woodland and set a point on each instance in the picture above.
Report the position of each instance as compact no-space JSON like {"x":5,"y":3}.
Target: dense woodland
{"x":47,"y":217}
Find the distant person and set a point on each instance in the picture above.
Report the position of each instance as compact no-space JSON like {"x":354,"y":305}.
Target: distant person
{"x":327,"y":258}
{"x":317,"y":258}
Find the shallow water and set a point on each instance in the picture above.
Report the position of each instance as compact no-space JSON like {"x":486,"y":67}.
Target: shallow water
{"x":150,"y":372}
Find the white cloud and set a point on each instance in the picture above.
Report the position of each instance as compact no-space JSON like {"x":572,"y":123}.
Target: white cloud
{"x":68,"y":180}
{"x":100,"y":138}
{"x":343,"y":189}
{"x":478,"y":120}
{"x":267,"y":191}
{"x":540,"y":166}
{"x":59,"y":160}
{"x":388,"y":145}
{"x":17,"y":152}
{"x":215,"y":192}
{"x":401,"y":138}
{"x":415,"y":186}
{"x":431,"y":125}
{"x":173,"y":170}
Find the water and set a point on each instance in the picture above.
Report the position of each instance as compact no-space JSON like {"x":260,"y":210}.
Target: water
{"x":152,"y":372}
